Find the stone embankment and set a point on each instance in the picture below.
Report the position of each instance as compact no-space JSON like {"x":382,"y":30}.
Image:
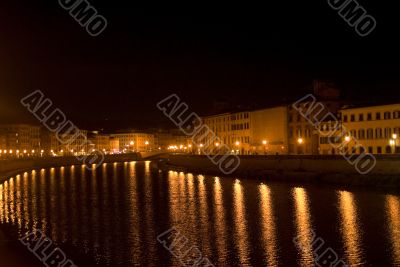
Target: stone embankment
{"x":318,"y":169}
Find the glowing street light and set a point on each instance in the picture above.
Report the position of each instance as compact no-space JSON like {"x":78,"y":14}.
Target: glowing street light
{"x":300,"y":141}
{"x":394,"y":136}
{"x":237,"y":143}
{"x":264,"y":142}
{"x":347,"y":139}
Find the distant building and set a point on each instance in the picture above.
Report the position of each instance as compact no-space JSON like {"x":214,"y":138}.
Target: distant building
{"x":262,"y":131}
{"x":137,"y":142}
{"x":114,"y":145}
{"x":303,"y":136}
{"x":72,"y":144}
{"x":98,"y":141}
{"x":167,"y":139}
{"x":377,"y":128}
{"x":20,"y":138}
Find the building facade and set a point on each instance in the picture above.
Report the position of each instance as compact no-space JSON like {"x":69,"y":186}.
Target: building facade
{"x":377,"y":128}
{"x":20,"y":139}
{"x":304,"y":137}
{"x":262,"y":131}
{"x":99,"y":142}
{"x":135,"y":142}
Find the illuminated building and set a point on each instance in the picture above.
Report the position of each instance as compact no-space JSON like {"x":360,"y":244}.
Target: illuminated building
{"x":377,"y":128}
{"x":262,"y":131}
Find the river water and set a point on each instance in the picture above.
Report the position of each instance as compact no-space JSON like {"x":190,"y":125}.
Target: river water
{"x":115,"y":213}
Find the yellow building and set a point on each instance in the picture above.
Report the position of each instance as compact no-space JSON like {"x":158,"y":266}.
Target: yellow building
{"x":98,"y":141}
{"x":114,"y":145}
{"x":137,"y":142}
{"x":261,"y":131}
{"x":20,"y":138}
{"x":377,"y":128}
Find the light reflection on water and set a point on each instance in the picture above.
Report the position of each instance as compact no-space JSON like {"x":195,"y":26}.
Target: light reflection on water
{"x":116,"y":212}
{"x":350,"y":229}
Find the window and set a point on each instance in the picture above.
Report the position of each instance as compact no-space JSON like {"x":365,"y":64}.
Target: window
{"x":299,"y":132}
{"x":307,"y":133}
{"x":378,"y":133}
{"x":345,"y":118}
{"x":369,"y":117}
{"x":361,"y":117}
{"x":370,"y":134}
{"x":370,"y":150}
{"x":352,"y":117}
{"x":388,"y":132}
{"x":353,"y":133}
{"x":388,"y":150}
{"x":386,"y":115}
{"x":378,"y":116}
{"x":379,"y":150}
{"x":396,"y":114}
{"x":291,"y":132}
{"x":361,"y":134}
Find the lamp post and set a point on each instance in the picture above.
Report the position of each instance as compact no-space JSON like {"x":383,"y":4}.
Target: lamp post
{"x":265,"y":146}
{"x":147,"y":145}
{"x":237,"y":143}
{"x":393,"y":142}
{"x":300,"y":142}
{"x":131,"y":143}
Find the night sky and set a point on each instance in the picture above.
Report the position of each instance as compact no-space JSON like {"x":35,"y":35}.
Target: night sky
{"x":241,"y":53}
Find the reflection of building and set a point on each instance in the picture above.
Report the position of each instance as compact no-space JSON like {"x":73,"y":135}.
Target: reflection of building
{"x":21,"y":137}
{"x":135,"y":141}
{"x":377,"y":128}
{"x":249,"y":132}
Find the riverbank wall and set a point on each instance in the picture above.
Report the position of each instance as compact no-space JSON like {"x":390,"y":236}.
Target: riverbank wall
{"x":315,"y":169}
{"x":10,"y":168}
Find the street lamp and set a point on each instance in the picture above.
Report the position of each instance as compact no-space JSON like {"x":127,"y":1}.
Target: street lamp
{"x":237,"y":143}
{"x":393,"y":142}
{"x":300,"y":141}
{"x":264,"y":142}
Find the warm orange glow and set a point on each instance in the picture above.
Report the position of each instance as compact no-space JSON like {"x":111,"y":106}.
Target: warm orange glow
{"x":350,"y":228}
{"x":264,"y":142}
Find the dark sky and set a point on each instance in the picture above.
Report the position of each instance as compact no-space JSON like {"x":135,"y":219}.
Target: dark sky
{"x":241,"y":52}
